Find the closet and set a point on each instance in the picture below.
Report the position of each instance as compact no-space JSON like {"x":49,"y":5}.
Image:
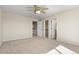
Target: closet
{"x":0,"y":27}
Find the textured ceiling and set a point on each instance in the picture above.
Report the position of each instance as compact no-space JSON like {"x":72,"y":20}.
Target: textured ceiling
{"x":27,"y":10}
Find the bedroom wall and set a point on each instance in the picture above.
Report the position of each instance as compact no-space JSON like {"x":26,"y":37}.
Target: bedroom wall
{"x":0,"y":27}
{"x":16,"y":26}
{"x":68,"y":26}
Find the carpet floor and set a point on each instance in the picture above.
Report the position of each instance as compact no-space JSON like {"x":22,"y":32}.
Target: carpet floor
{"x":33,"y":46}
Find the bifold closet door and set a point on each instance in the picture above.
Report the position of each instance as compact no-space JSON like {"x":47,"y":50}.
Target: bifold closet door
{"x":51,"y":29}
{"x":39,"y":29}
{"x":0,"y":27}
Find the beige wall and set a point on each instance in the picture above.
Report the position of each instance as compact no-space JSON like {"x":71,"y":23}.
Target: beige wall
{"x":0,"y":26}
{"x":16,"y":26}
{"x":68,"y":26}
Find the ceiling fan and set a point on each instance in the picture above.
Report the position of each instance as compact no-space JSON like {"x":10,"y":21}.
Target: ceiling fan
{"x":38,"y":9}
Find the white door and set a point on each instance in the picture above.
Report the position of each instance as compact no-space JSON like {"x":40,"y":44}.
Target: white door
{"x":51,"y":28}
{"x":39,"y":29}
{"x":0,"y":29}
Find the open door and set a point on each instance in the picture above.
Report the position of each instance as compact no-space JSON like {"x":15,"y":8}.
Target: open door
{"x":46,"y":28}
{"x":34,"y":28}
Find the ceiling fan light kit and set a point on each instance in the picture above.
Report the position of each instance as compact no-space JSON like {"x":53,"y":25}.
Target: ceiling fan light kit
{"x":37,"y":12}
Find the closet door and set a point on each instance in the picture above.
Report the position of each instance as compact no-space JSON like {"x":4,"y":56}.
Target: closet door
{"x":39,"y":29}
{"x":0,"y":28}
{"x":51,"y":29}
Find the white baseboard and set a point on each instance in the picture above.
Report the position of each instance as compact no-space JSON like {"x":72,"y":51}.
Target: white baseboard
{"x":16,"y":39}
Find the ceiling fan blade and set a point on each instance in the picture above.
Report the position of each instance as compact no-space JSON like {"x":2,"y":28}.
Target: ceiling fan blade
{"x":42,"y":11}
{"x":35,"y":7}
{"x":44,"y":8}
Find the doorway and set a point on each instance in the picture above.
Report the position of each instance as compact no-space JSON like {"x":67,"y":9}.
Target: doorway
{"x":34,"y":23}
{"x":46,"y":28}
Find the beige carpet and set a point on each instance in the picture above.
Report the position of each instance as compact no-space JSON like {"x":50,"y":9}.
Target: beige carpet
{"x":33,"y":46}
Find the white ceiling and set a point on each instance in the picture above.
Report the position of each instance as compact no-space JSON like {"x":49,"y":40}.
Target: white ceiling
{"x":27,"y":10}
